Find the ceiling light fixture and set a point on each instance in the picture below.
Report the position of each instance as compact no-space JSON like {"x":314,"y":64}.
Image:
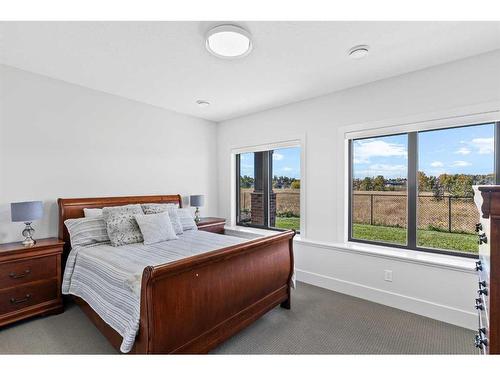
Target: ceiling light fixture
{"x":358,"y":52}
{"x":203,"y":103}
{"x":228,"y":41}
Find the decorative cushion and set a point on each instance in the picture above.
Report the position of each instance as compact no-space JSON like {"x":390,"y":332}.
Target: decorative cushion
{"x":121,"y":224}
{"x":156,"y":227}
{"x":92,"y":212}
{"x":87,"y":231}
{"x":186,"y":218}
{"x":156,"y":208}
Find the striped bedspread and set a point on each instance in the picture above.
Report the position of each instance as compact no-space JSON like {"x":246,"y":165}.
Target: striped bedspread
{"x":109,"y":278}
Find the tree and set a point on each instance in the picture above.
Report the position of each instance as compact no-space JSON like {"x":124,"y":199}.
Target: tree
{"x":295,"y":184}
{"x":462,"y":186}
{"x":379,"y":183}
{"x":366,"y":184}
{"x":246,"y":182}
{"x":356,"y":184}
{"x":423,"y":182}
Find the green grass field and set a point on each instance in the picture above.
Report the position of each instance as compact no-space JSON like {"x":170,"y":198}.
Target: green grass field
{"x":425,"y":238}
{"x":288,"y":223}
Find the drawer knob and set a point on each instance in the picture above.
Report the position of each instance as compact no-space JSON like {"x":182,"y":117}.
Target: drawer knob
{"x":479,"y":342}
{"x":479,"y":227}
{"x":479,"y":305}
{"x":482,"y":239}
{"x":14,"y":275}
{"x":479,"y":266}
{"x":17,"y":301}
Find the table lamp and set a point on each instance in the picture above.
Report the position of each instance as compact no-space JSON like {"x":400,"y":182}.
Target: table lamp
{"x":197,"y":201}
{"x":26,"y":212}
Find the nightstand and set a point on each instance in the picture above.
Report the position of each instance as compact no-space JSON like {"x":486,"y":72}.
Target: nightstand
{"x":212,"y":224}
{"x":30,"y":280}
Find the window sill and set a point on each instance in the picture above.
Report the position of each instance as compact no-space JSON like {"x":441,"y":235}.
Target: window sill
{"x":404,"y":255}
{"x":255,"y":231}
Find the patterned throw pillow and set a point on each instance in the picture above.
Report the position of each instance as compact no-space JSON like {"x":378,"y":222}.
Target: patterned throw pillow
{"x":121,"y":224}
{"x":187,"y":220}
{"x":156,"y":227}
{"x":87,"y":231}
{"x":156,"y":208}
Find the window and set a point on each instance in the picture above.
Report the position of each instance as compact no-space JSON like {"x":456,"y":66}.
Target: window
{"x":380,"y":192}
{"x":414,"y":190}
{"x":268,"y":188}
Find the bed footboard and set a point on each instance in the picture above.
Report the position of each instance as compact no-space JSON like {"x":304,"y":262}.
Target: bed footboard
{"x":192,"y":305}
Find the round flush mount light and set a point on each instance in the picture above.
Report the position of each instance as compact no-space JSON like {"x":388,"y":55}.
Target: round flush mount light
{"x":228,"y":41}
{"x":358,"y":52}
{"x":203,"y":103}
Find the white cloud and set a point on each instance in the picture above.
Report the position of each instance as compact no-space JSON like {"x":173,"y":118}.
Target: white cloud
{"x":463,"y":151}
{"x":287,"y":169}
{"x":437,"y":172}
{"x":437,"y":164}
{"x":483,"y":145}
{"x":364,"y":150}
{"x":460,"y":163}
{"x":386,"y":170}
{"x":277,"y":156}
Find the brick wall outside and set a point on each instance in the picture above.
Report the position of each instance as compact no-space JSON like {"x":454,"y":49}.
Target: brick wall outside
{"x":257,"y":208}
{"x":272,"y":209}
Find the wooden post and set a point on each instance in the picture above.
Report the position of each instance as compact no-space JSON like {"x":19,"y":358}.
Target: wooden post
{"x":449,"y":214}
{"x":371,"y":209}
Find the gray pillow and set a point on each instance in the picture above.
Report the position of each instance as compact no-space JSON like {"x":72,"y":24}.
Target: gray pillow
{"x":156,"y":208}
{"x":156,"y":227}
{"x":87,"y":231}
{"x":187,"y":220}
{"x":121,"y":224}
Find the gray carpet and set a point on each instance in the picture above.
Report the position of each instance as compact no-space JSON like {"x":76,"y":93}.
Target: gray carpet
{"x":321,"y":321}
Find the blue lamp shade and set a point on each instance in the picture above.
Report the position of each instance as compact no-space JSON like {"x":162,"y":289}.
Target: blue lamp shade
{"x":197,"y":200}
{"x":26,"y":211}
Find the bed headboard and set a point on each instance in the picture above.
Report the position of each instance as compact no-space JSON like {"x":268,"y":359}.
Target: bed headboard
{"x":72,"y":208}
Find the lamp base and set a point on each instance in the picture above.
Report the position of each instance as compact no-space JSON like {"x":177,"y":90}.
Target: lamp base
{"x":28,"y":242}
{"x":197,"y":218}
{"x":27,"y":233}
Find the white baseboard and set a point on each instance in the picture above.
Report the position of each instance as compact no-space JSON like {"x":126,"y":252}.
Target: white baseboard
{"x":429,"y":309}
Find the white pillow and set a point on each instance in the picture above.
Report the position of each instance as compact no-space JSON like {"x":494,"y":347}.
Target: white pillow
{"x":92,"y":212}
{"x":156,"y":227}
{"x":155,"y":208}
{"x":186,"y":218}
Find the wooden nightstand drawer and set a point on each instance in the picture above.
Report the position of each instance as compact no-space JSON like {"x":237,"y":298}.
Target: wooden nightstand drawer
{"x":214,"y":229}
{"x":212,"y":224}
{"x":20,"y":297}
{"x":30,"y":279}
{"x":24,"y":271}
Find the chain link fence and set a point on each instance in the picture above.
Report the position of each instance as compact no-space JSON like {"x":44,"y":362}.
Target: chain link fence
{"x":448,"y":213}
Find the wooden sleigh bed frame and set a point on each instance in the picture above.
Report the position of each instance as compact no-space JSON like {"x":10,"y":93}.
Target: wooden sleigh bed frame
{"x":194,"y":304}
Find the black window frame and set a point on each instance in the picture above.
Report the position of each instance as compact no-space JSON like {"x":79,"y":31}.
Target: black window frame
{"x":267,"y":168}
{"x":412,"y":189}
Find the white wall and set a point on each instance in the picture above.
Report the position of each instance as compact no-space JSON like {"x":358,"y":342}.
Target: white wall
{"x":461,"y":86}
{"x":63,"y":140}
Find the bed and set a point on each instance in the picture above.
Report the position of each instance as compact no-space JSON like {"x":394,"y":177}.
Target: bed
{"x":198,"y":298}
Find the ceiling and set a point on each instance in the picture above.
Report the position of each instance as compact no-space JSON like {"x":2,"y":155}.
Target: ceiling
{"x":166,"y":63}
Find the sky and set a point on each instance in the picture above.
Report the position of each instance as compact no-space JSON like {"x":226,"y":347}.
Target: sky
{"x":286,"y":162}
{"x":467,"y":150}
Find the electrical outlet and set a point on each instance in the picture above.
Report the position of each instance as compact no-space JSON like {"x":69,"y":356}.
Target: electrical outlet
{"x":388,"y":275}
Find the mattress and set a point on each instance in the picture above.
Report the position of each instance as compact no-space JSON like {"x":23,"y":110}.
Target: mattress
{"x":109,"y":278}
